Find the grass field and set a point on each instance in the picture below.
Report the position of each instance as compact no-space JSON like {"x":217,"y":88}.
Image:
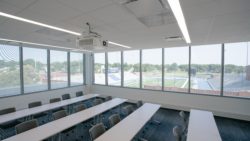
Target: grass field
{"x":174,"y":83}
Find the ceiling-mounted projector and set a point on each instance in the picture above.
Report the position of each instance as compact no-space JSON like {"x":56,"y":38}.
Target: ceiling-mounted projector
{"x":91,"y":40}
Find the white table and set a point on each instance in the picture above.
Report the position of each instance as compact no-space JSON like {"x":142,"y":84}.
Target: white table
{"x":202,"y":127}
{"x":46,"y":107}
{"x":126,"y":129}
{"x":54,"y":127}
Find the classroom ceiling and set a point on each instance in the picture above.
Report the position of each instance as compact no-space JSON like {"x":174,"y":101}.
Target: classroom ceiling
{"x":139,"y":24}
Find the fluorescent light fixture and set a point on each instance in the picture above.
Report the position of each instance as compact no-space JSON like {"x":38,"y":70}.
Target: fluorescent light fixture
{"x":38,"y":44}
{"x":38,"y":23}
{"x":176,"y":8}
{"x":113,"y":43}
{"x":47,"y":26}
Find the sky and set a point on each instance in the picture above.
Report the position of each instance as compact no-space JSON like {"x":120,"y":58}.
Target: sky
{"x":235,"y":53}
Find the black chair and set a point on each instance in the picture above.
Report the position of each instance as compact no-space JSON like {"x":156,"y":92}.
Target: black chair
{"x":80,"y":93}
{"x":139,"y":103}
{"x":127,"y":110}
{"x":53,"y":100}
{"x":25,"y":126}
{"x":96,"y":131}
{"x":80,"y":107}
{"x":97,"y":102}
{"x":60,"y":114}
{"x":178,"y":133}
{"x":184,"y":118}
{"x":108,"y":98}
{"x":65,"y":96}
{"x":42,"y":117}
{"x":114,"y":119}
{"x":5,"y":133}
{"x":69,"y":107}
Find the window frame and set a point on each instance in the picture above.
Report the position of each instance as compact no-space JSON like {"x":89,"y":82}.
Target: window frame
{"x":48,"y":53}
{"x":222,"y":63}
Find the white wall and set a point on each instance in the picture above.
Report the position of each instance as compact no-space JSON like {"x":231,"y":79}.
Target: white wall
{"x":221,"y":106}
{"x":21,"y":101}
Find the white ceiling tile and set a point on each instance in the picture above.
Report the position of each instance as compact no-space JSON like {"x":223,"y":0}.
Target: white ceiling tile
{"x":85,"y":5}
{"x":112,"y":14}
{"x":51,"y":9}
{"x":20,"y":3}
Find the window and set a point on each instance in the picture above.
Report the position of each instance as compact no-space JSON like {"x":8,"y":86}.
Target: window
{"x":35,"y":69}
{"x":206,"y":69}
{"x":76,"y":68}
{"x":114,"y":68}
{"x":99,"y":66}
{"x":9,"y":70}
{"x":176,"y":69}
{"x":58,"y":69}
{"x":237,"y":70}
{"x":152,"y":69}
{"x":131,"y":67}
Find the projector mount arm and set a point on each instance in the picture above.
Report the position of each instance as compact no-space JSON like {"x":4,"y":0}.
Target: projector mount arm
{"x":90,"y":32}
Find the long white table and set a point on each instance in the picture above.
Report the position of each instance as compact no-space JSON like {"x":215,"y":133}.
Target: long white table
{"x":126,"y":129}
{"x":46,"y":107}
{"x":54,"y":127}
{"x":202,"y":127}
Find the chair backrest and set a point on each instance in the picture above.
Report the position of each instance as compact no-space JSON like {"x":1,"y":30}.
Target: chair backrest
{"x":114,"y":119}
{"x":7,"y":110}
{"x":183,"y":117}
{"x":35,"y":104}
{"x":96,"y":131}
{"x":80,"y":93}
{"x":108,"y":98}
{"x":128,"y":109}
{"x":59,"y":114}
{"x":53,"y":100}
{"x":65,"y":96}
{"x":177,"y":132}
{"x":139,"y":103}
{"x":97,"y":101}
{"x":25,"y":126}
{"x":80,"y":108}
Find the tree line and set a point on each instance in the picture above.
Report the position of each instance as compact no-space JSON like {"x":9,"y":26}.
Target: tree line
{"x":10,"y":71}
{"x":212,"y":68}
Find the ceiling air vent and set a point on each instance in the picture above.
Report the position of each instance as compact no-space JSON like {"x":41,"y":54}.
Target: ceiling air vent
{"x":154,"y":12}
{"x":173,"y":38}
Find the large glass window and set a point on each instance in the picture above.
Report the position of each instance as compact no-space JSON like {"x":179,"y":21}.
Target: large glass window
{"x":58,"y":69}
{"x":9,"y":70}
{"x":114,"y":68}
{"x":237,"y":70}
{"x":35,"y":69}
{"x":131,"y":68}
{"x":152,"y":69}
{"x":176,"y":69}
{"x":99,"y":66}
{"x":76,"y":68}
{"x":206,"y":69}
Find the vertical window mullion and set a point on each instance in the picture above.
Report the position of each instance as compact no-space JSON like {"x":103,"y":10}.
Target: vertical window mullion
{"x":163,"y":69}
{"x":48,"y":69}
{"x":189,"y":69}
{"x":140,"y":69}
{"x":122,"y":70}
{"x":106,"y":68}
{"x":21,"y":68}
{"x":68,"y":64}
{"x":222,"y":68}
{"x":93,"y":68}
{"x":84,"y":68}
